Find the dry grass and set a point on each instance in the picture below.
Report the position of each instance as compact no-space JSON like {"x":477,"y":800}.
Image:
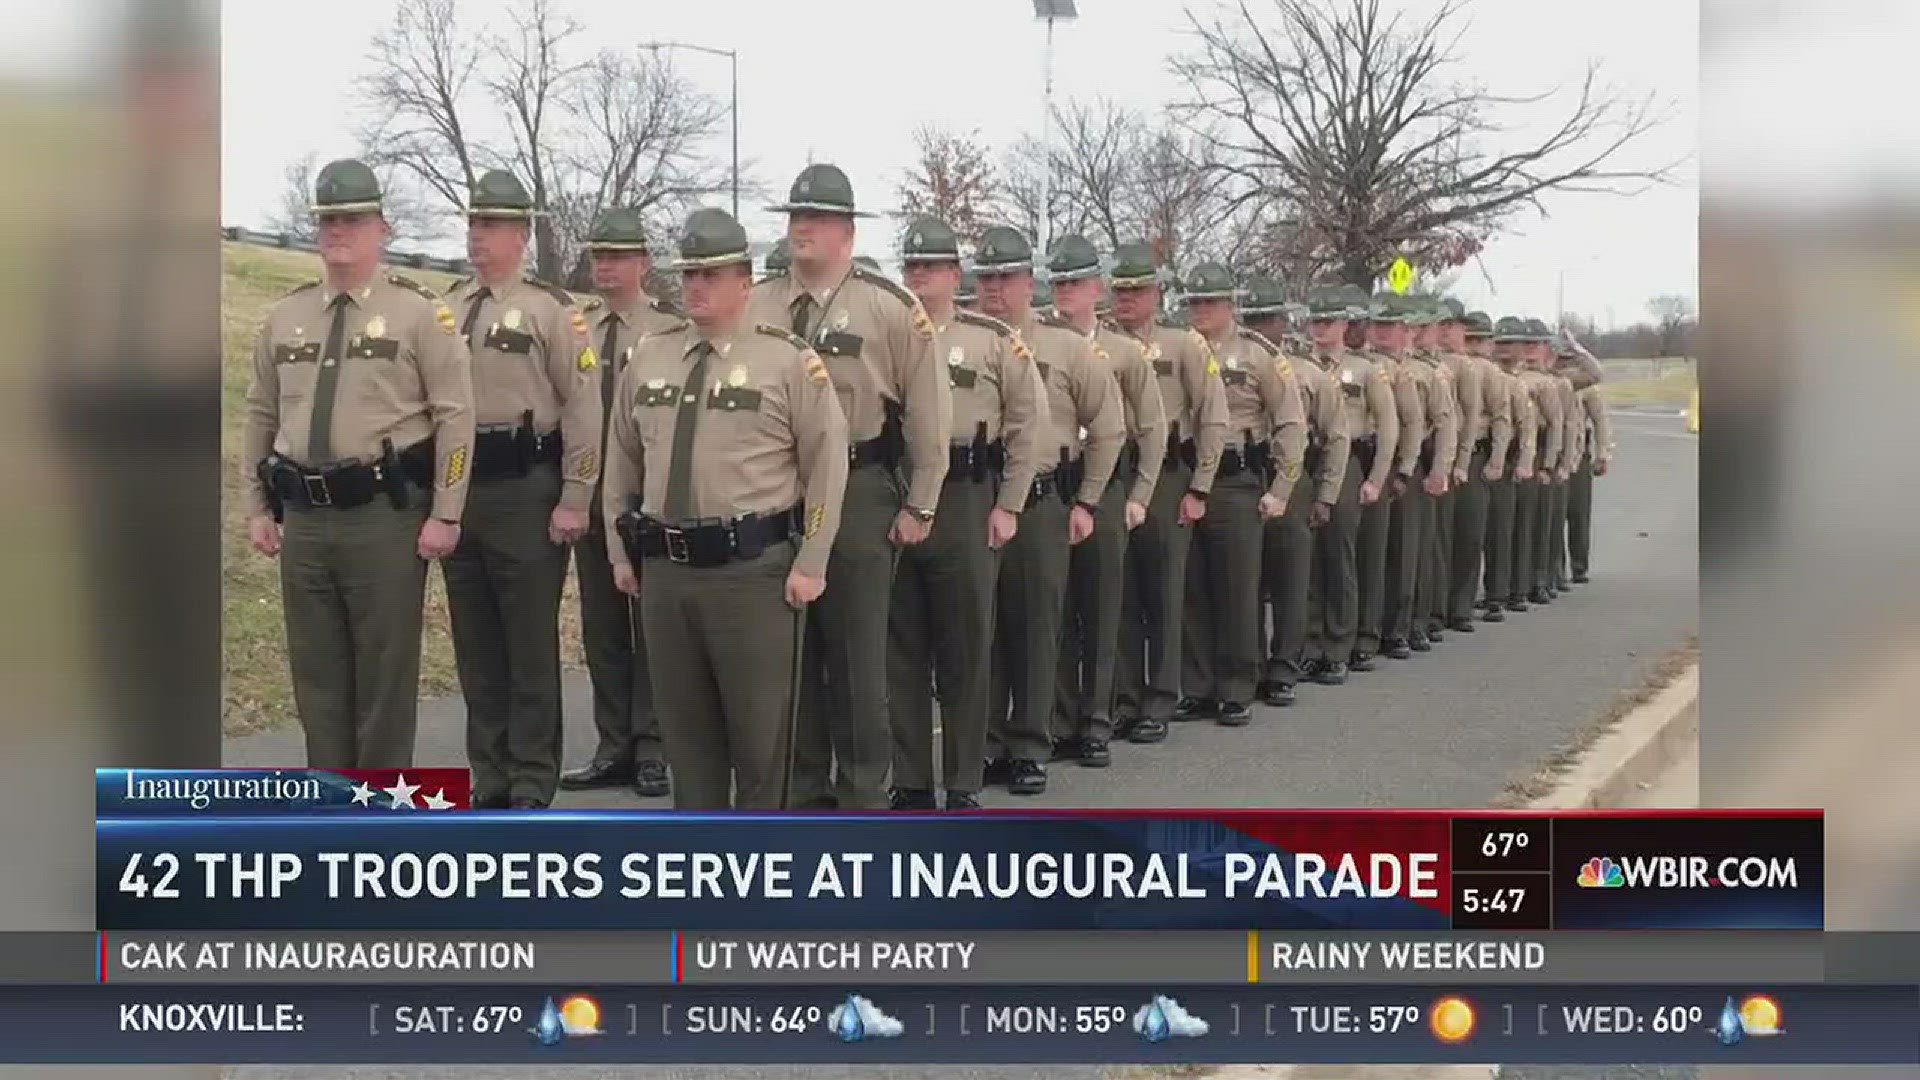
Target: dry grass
{"x":258,"y":694}
{"x":1542,"y":781}
{"x":1673,"y":387}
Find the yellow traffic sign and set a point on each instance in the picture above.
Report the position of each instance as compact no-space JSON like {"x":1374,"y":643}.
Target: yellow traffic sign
{"x":1400,"y":277}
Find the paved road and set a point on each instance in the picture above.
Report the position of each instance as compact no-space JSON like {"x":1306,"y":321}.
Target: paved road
{"x":1447,"y":728}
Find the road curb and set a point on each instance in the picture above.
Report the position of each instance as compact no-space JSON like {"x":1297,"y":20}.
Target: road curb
{"x":1633,"y":751}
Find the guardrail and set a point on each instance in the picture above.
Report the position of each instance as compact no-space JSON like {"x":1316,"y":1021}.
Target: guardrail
{"x":416,"y":260}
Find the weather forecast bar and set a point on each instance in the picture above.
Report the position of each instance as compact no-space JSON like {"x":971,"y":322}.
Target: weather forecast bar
{"x":855,"y":1023}
{"x":979,"y":958}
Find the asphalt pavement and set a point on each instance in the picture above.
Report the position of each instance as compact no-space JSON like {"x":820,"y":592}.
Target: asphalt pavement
{"x":1446,"y":728}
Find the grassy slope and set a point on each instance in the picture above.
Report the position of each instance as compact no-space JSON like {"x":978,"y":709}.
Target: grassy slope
{"x":1674,"y":387}
{"x":257,"y":693}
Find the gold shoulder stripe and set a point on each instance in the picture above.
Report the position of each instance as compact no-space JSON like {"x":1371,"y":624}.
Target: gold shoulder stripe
{"x":456,"y":465}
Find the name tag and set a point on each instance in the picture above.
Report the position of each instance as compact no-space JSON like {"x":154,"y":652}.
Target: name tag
{"x":304,"y":353}
{"x":374,"y":348}
{"x":962,"y":378}
{"x":733,"y":399}
{"x":1163,"y":367}
{"x":840,"y":344}
{"x":501,"y":339}
{"x":1233,"y":376}
{"x":1352,"y":389}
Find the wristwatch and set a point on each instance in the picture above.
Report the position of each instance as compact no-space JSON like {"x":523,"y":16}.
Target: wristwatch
{"x":1198,"y":494}
{"x":925,"y":516}
{"x":1091,"y":508}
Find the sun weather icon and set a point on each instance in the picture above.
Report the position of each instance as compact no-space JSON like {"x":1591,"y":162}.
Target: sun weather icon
{"x":1757,"y":1015}
{"x":1600,"y":873}
{"x":857,"y":1020}
{"x":577,"y":1016}
{"x":1163,"y":1018}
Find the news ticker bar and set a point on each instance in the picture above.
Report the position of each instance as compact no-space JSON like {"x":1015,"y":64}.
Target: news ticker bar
{"x":965,"y":958}
{"x":1189,"y":870}
{"x":843,"y":1023}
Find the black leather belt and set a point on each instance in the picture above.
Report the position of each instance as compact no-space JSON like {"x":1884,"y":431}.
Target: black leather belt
{"x":878,"y":450}
{"x":1235,"y":460}
{"x":1426,"y":454}
{"x":1181,"y":452}
{"x":1483,"y":445}
{"x":344,"y":487}
{"x":707,"y":543}
{"x":500,"y":452}
{"x":976,"y":462}
{"x":1044,"y":487}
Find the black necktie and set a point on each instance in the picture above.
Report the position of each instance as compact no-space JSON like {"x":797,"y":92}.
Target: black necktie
{"x":608,"y":372}
{"x":678,"y":506}
{"x":473,"y":312}
{"x":326,"y":387}
{"x":802,"y":309}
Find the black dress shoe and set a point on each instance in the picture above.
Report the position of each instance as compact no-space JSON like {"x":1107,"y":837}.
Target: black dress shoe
{"x":904,"y":798}
{"x":1195,"y":708}
{"x":1331,"y":674}
{"x":1276,"y":693}
{"x":1234,"y":714}
{"x":597,"y":774}
{"x":1564,"y":585}
{"x":1066,"y":749}
{"x":650,"y":780}
{"x":1360,"y":661}
{"x":1094,"y":753}
{"x":1517,"y":604}
{"x":962,"y":800}
{"x":1396,"y":649}
{"x":526,"y":802}
{"x":1461,"y":626}
{"x":1494,"y":614}
{"x":490,"y":802}
{"x":1144,"y":730}
{"x":1539,"y":596}
{"x":1581,"y":579}
{"x":997,"y":772}
{"x":1028,"y":778}
{"x":1419,"y":643}
{"x":1436,"y":633}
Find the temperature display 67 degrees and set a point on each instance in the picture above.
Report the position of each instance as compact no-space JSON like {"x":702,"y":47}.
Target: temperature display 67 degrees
{"x":1502,"y":843}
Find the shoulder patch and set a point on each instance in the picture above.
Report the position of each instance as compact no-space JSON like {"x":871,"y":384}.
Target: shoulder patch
{"x":561,"y":295}
{"x":1284,"y":366}
{"x":922,"y":322}
{"x":888,"y":285}
{"x":816,"y":368}
{"x":304,"y":286}
{"x":443,"y":315}
{"x":975,"y":318}
{"x":411,"y":285}
{"x":783,"y":334}
{"x":1020,"y":348}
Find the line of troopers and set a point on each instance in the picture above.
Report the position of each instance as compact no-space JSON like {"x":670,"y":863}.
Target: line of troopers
{"x":1004,"y":503}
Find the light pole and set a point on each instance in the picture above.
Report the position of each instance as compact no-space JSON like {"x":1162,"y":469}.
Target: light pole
{"x":733,"y":60}
{"x":1052,"y":11}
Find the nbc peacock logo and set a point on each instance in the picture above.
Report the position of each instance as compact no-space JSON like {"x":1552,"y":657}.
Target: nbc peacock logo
{"x":1600,"y":873}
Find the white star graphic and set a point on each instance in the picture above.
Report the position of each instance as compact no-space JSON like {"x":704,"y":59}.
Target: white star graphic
{"x":439,"y":801}
{"x":402,"y":793}
{"x":362,"y":794}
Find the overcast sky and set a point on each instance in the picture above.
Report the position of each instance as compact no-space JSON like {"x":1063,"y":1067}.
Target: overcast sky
{"x":848,"y":81}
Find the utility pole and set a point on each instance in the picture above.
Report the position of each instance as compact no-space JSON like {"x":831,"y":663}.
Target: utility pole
{"x":1052,"y":11}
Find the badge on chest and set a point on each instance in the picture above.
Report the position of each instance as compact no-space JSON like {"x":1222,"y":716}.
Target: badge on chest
{"x":959,"y":375}
{"x":733,"y":394}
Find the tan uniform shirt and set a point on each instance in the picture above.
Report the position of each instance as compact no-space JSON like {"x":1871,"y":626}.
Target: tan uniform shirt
{"x":878,"y":345}
{"x":1549,"y":434}
{"x":1263,"y":404}
{"x":1496,"y":410}
{"x":1366,"y":389}
{"x":1191,"y":393}
{"x":1327,"y":428}
{"x":1083,"y":402}
{"x":1425,"y":413}
{"x":1575,"y":418}
{"x":996,"y":388}
{"x":616,"y":329}
{"x":1145,"y":413}
{"x":770,"y":433}
{"x":1526,"y":421}
{"x":531,"y":353}
{"x":1600,"y":426}
{"x":1470,"y":404}
{"x":1443,"y":413}
{"x":404,"y":375}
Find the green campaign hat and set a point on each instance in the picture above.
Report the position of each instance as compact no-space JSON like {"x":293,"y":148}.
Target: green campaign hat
{"x":1359,"y":304}
{"x":1388,"y":308}
{"x":1452,"y":310}
{"x":1329,"y":303}
{"x":1264,"y":296}
{"x":969,"y":287}
{"x":1071,"y":259}
{"x":780,"y":258}
{"x":499,"y":194}
{"x":1510,"y":328}
{"x":1479,"y":324}
{"x":1134,"y":265}
{"x":346,"y":186}
{"x":618,"y":229}
{"x":712,"y":238}
{"x":1420,"y":310}
{"x":821,"y":187}
{"x":1207,"y":281}
{"x":1002,"y":250}
{"x":929,"y":239}
{"x":1537,"y":331}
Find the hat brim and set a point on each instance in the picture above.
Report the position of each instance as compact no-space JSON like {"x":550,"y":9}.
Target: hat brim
{"x":729,"y":259}
{"x":617,"y":245}
{"x":994,"y":269}
{"x":1217,"y":294}
{"x":517,"y":213}
{"x":1073,"y":275}
{"x":820,"y":208}
{"x":1263,"y":312}
{"x":931,"y":257}
{"x":370,"y":206}
{"x":1137,"y":281}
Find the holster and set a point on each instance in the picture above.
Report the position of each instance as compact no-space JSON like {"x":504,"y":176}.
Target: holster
{"x":265,"y":470}
{"x":392,"y":475}
{"x":628,"y":526}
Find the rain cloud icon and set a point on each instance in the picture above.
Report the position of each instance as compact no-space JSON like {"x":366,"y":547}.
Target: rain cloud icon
{"x":1163,"y":1018}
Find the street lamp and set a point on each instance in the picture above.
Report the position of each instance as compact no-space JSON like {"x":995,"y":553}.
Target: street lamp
{"x":733,"y":59}
{"x":1053,"y":11}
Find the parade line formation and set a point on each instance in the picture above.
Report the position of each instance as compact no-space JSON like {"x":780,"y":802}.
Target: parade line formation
{"x":846,"y":542}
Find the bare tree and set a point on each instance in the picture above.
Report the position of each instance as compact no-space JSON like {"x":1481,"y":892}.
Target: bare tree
{"x":1358,"y":119}
{"x":1096,"y":154}
{"x":1174,"y":200}
{"x":529,"y":77}
{"x":1023,"y":186}
{"x":420,"y":101}
{"x":1674,"y":318}
{"x":952,"y":178}
{"x":293,"y":216}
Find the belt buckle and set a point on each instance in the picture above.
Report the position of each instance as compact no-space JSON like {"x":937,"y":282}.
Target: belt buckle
{"x":317,"y":491}
{"x":677,"y":548}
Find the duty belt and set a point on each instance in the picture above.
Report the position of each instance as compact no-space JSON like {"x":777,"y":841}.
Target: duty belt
{"x":1247,"y":457}
{"x":1483,"y":444}
{"x":1128,"y":464}
{"x":346,"y":486}
{"x":1044,"y":486}
{"x":1426,"y":454}
{"x":709,"y":543}
{"x":512,"y":450}
{"x":976,"y":461}
{"x":886,"y":449}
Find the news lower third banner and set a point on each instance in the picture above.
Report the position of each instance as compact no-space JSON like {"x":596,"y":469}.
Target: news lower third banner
{"x":275,"y":849}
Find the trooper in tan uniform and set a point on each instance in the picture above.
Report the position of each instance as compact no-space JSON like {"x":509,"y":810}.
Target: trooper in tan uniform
{"x":1510,"y":515}
{"x":726,"y":469}
{"x":1425,"y":438}
{"x":1436,"y":537}
{"x":940,"y":636}
{"x":1535,"y":504}
{"x":1567,"y":377}
{"x":628,"y":753}
{"x":1373,"y":430}
{"x":1486,"y":429}
{"x":1083,"y":712}
{"x":1376,"y":516}
{"x":1554,"y":466}
{"x":1147,"y":668}
{"x":878,"y":345}
{"x":1082,"y":396}
{"x":1266,"y":449}
{"x":1597,"y":460}
{"x":1287,"y":554}
{"x":536,"y":383}
{"x":355,"y":448}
